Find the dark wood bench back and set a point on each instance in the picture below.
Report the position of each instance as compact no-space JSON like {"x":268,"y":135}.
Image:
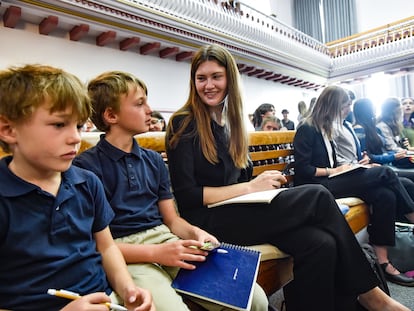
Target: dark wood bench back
{"x":271,"y":150}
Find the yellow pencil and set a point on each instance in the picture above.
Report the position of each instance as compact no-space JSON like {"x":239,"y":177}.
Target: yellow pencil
{"x":71,"y":295}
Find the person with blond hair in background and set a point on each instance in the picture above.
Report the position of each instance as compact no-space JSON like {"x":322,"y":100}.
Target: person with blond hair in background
{"x":271,"y":123}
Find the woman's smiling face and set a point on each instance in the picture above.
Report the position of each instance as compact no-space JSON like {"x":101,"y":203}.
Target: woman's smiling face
{"x":211,"y":83}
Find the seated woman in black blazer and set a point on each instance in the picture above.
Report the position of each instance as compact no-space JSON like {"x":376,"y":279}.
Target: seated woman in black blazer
{"x":378,"y":186}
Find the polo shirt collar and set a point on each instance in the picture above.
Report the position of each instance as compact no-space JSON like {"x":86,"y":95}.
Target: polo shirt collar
{"x":115,"y":153}
{"x":13,"y":186}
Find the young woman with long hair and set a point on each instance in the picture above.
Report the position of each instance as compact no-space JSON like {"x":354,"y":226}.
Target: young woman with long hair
{"x":370,"y":136}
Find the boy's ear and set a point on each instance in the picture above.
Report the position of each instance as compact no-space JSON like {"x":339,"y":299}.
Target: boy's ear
{"x":7,"y":130}
{"x":110,"y":116}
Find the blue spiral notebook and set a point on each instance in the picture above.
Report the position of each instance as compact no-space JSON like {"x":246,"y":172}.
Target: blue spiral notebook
{"x":227,"y":277}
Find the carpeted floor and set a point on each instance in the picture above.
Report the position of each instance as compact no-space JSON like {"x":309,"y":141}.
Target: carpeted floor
{"x":403,"y":294}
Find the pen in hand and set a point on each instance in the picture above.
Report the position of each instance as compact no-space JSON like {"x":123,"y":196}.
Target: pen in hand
{"x":71,"y":295}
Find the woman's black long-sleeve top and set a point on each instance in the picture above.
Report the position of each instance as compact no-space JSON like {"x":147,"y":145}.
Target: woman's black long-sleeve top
{"x":310,"y":153}
{"x":190,"y":171}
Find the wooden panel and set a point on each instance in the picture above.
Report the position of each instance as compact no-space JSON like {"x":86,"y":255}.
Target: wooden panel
{"x":156,"y":140}
{"x":3,"y":153}
{"x":272,"y":154}
{"x":271,"y":137}
{"x":84,"y":145}
{"x":260,"y":169}
{"x":152,"y":140}
{"x":274,"y":274}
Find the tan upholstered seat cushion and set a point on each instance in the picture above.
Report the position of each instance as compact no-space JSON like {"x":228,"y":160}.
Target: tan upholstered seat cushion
{"x":350,"y":201}
{"x":269,"y":252}
{"x":358,"y":214}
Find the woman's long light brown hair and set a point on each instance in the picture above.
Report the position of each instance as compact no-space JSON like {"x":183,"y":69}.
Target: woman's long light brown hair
{"x":327,"y":109}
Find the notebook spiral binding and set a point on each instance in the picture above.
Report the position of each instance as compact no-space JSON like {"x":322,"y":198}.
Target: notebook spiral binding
{"x":238,"y":247}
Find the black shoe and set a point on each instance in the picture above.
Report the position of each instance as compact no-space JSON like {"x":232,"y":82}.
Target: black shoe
{"x":399,"y":279}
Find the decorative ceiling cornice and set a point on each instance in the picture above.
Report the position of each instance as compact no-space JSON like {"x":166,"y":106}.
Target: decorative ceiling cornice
{"x":264,"y":48}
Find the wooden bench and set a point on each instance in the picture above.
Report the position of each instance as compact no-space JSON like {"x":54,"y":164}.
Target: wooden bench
{"x":268,"y":151}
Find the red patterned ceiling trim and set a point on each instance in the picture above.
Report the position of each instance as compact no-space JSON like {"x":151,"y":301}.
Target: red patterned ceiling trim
{"x":255,"y":72}
{"x":247,"y":69}
{"x":164,"y":53}
{"x":48,"y":24}
{"x":289,"y":81}
{"x":275,"y":75}
{"x":149,"y":47}
{"x":12,"y":16}
{"x":310,"y":86}
{"x":241,"y":66}
{"x":105,"y":38}
{"x":282,"y":78}
{"x":265,"y":74}
{"x":296,"y":83}
{"x":78,"y":32}
{"x":303,"y":84}
{"x":182,"y":56}
{"x":129,"y":43}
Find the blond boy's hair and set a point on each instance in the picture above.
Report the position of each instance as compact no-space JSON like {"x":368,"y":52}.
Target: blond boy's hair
{"x":24,"y":89}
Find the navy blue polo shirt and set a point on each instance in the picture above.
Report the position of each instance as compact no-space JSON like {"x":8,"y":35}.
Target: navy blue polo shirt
{"x":47,"y":241}
{"x":134,"y":183}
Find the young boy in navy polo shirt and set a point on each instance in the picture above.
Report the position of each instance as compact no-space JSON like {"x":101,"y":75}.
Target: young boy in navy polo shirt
{"x":153,"y":238}
{"x":53,"y":217}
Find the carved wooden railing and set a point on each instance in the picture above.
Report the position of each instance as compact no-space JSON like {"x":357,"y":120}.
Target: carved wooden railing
{"x":375,"y":37}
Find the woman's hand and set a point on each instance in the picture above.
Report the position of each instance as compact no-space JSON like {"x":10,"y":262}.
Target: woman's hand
{"x":268,"y":180}
{"x":365,"y":159}
{"x":400,"y":154}
{"x":340,"y":168}
{"x":405,"y":143}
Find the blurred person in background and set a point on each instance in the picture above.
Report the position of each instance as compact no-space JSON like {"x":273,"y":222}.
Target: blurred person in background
{"x":157,"y":122}
{"x":288,"y":124}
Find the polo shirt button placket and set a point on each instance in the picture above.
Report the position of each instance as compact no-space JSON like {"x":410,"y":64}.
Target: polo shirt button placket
{"x":131,"y":175}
